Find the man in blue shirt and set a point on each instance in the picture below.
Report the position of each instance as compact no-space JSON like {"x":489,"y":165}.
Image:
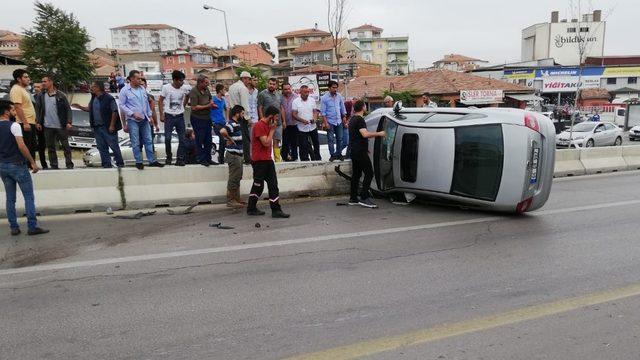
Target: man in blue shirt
{"x":134,"y":103}
{"x":219,"y":116}
{"x":334,"y":116}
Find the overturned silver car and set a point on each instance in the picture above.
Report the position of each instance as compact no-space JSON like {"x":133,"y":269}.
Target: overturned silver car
{"x":492,"y":158}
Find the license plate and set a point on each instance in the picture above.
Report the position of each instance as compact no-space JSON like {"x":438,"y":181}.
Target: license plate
{"x":534,"y":166}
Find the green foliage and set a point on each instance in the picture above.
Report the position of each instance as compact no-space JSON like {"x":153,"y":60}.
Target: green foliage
{"x":407,"y":97}
{"x":56,"y":44}
{"x":257,"y":73}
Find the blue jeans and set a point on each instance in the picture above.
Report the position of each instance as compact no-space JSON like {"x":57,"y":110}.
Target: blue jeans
{"x":105,"y":141}
{"x":345,"y":142}
{"x":202,"y":130}
{"x":334,"y":137}
{"x":177,"y":122}
{"x":13,"y":174}
{"x":141,"y":131}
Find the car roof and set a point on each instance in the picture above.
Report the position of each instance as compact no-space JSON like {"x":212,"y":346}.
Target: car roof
{"x":487,"y":115}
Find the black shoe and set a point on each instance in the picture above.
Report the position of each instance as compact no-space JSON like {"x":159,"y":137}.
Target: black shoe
{"x":255,"y":212}
{"x":368,"y":203}
{"x":340,"y":157}
{"x":15,"y":232}
{"x":332,"y":158}
{"x":211,"y":162}
{"x":180,"y":163}
{"x":37,"y":231}
{"x":278,"y":214}
{"x":204,"y":163}
{"x":55,"y":168}
{"x":156,"y":164}
{"x":168,"y":162}
{"x":353,"y":202}
{"x":140,"y":166}
{"x":69,"y":167}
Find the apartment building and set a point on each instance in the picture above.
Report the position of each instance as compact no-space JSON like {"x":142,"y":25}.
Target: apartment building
{"x":150,"y":37}
{"x":291,"y":40}
{"x":392,"y":53}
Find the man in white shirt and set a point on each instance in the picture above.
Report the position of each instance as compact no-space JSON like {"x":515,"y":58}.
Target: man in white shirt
{"x":239,"y":95}
{"x":252,"y":114}
{"x":171,"y":107}
{"x":426,"y":101}
{"x":305,"y":112}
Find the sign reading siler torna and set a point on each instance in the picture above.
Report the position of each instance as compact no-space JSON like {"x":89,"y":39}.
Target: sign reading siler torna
{"x":478,"y":97}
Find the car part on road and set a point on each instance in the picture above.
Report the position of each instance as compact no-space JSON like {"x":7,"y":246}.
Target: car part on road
{"x":136,"y":216}
{"x":221,"y":226}
{"x":183,"y":212}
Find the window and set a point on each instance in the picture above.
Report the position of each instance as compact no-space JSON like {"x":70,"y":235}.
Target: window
{"x":360,"y":34}
{"x":478,"y":161}
{"x":181,"y":59}
{"x":611,"y":81}
{"x":632,"y":80}
{"x":379,"y":46}
{"x":609,"y":126}
{"x":409,"y":158}
{"x":571,"y":30}
{"x":584,"y":29}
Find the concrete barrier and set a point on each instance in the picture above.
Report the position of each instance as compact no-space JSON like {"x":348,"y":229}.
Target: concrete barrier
{"x":603,"y":159}
{"x":68,"y":191}
{"x":631,"y":156}
{"x":568,"y":163}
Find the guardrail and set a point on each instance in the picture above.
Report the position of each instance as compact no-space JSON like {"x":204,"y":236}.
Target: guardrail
{"x":597,"y":160}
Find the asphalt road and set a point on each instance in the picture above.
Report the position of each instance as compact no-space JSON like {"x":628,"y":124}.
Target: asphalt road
{"x":400,"y":282}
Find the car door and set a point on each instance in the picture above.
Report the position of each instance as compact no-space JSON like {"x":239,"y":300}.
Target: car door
{"x":599,"y":135}
{"x":612,"y":133}
{"x":383,"y":154}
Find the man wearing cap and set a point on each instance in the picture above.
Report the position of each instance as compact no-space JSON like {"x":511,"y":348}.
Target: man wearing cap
{"x":239,"y":95}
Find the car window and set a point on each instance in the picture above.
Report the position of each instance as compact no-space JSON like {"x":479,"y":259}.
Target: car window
{"x":609,"y":126}
{"x":599,"y":128}
{"x":80,"y":118}
{"x":478,"y":161}
{"x":409,"y":158}
{"x":436,"y":117}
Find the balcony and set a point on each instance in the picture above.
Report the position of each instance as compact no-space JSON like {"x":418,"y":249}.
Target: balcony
{"x":398,"y":50}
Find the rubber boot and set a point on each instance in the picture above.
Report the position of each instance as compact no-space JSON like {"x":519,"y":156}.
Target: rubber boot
{"x":276,"y":154}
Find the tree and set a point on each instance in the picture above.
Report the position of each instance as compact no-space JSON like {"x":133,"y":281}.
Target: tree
{"x":267,"y":47}
{"x":407,"y":97}
{"x":336,"y":19}
{"x":56,"y":44}
{"x":255,"y":72}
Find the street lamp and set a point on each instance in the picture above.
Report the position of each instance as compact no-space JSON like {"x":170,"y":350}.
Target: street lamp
{"x":226,"y":28}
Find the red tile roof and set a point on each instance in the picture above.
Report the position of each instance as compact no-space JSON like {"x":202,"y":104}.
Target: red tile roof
{"x":303,"y":32}
{"x":438,"y":82}
{"x":457,"y":58}
{"x":367,"y":27}
{"x":597,"y":93}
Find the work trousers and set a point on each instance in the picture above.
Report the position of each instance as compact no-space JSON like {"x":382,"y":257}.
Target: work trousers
{"x":264,"y":171}
{"x":54,"y":136}
{"x":234,"y":161}
{"x":360,"y":163}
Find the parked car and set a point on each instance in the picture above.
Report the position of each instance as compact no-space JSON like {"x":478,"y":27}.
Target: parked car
{"x":91,"y":158}
{"x":634,"y":133}
{"x":590,"y":134}
{"x":81,"y":134}
{"x":493,"y":158}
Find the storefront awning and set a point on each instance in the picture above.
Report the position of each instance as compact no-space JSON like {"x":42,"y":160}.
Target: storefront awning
{"x":525,"y":97}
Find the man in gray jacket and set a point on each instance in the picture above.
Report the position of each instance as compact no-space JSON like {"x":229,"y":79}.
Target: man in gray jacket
{"x":54,"y":115}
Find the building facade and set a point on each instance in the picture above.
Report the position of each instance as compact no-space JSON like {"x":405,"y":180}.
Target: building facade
{"x":291,"y":40}
{"x":564,"y":40}
{"x":251,"y":54}
{"x":150,"y":37}
{"x":321,"y":52}
{"x":9,"y":40}
{"x":392,"y":53}
{"x":189,"y":61}
{"x":456,"y":62}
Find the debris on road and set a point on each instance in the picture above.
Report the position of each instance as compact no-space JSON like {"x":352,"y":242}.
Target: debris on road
{"x":136,"y":216}
{"x":109,"y":211}
{"x":183,"y":212}
{"x":258,"y":225}
{"x":221,"y":227}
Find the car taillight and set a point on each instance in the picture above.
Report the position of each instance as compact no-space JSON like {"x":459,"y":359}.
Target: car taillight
{"x":531,"y":122}
{"x":524,"y":205}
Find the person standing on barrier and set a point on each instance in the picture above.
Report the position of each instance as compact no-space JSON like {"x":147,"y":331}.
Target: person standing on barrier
{"x":14,"y":156}
{"x":201,"y":104}
{"x":360,"y":162}
{"x":171,"y":107}
{"x":41,"y":141}
{"x":271,"y":97}
{"x":104,"y":119}
{"x":290,"y":128}
{"x":134,"y":103}
{"x":334,"y":117}
{"x":264,"y":168}
{"x":239,"y":95}
{"x":231,"y":133}
{"x":219,"y":116}
{"x":25,"y":111}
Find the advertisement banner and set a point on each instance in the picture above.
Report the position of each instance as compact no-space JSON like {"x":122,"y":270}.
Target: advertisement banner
{"x":630,"y":71}
{"x":310,"y":80}
{"x":519,"y":74}
{"x":570,"y":71}
{"x":478,"y":97}
{"x":568,"y":84}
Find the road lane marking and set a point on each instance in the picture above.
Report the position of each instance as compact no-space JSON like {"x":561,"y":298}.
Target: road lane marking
{"x":268,"y":244}
{"x":444,"y":331}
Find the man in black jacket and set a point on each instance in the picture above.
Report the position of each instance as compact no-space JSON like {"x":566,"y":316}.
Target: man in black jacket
{"x":55,"y":117}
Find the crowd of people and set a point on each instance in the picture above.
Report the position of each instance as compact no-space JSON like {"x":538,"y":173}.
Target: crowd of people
{"x":254,"y":127}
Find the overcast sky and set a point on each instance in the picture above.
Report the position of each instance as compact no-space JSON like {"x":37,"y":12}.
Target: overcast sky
{"x":487,"y":29}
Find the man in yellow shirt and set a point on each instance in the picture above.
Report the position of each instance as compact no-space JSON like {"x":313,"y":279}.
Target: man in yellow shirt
{"x":26,"y":112}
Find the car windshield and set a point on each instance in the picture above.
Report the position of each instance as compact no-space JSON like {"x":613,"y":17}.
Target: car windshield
{"x":81,"y":118}
{"x":584,"y":127}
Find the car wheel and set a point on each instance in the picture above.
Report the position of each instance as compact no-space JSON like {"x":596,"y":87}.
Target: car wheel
{"x":590,"y":143}
{"x":618,"y":141}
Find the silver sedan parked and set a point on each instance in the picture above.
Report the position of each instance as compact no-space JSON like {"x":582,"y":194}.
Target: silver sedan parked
{"x":590,"y":134}
{"x":92,"y":157}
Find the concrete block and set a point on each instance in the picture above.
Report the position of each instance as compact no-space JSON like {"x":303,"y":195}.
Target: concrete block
{"x":568,"y":163}
{"x":631,"y":156}
{"x":602,"y":159}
